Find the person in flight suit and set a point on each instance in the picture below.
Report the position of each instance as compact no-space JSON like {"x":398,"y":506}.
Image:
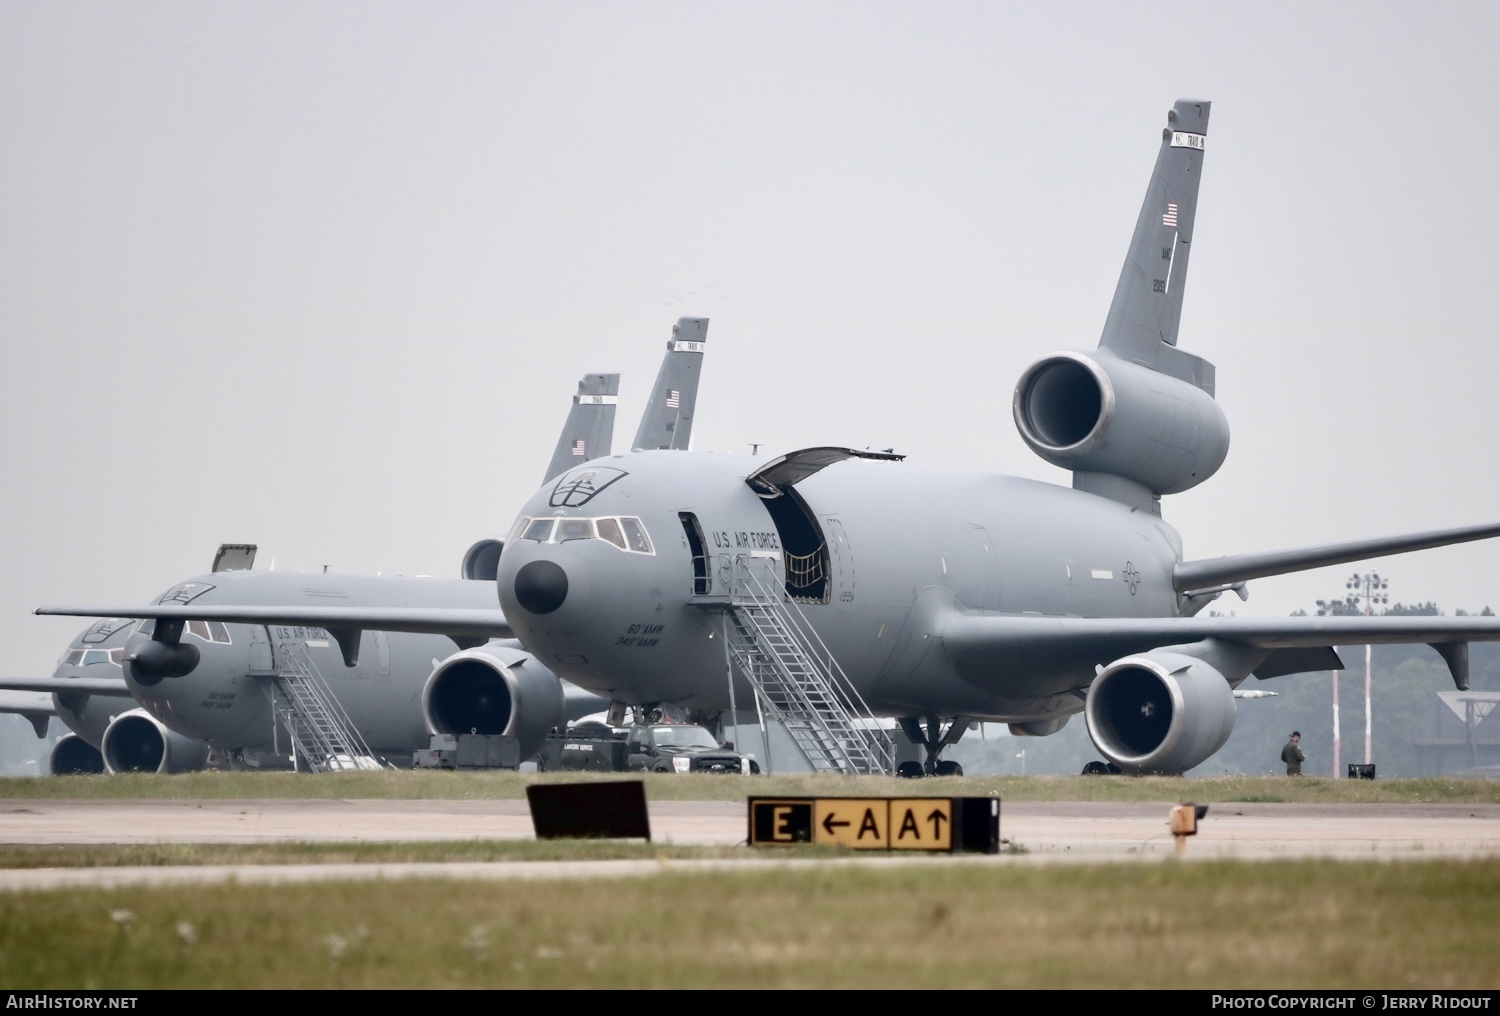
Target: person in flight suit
{"x":1291,"y":754}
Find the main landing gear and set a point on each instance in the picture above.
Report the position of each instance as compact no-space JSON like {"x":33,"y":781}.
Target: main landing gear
{"x":933,"y":740}
{"x":1097,"y":768}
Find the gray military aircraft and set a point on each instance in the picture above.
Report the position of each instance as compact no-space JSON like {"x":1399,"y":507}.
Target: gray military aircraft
{"x":839,"y":582}
{"x":218,"y":662}
{"x":961,"y":597}
{"x":214,"y":683}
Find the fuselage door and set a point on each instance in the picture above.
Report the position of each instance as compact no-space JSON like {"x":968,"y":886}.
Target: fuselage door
{"x":843,"y":559}
{"x":702,"y":564}
{"x":970,"y":565}
{"x":261,"y":659}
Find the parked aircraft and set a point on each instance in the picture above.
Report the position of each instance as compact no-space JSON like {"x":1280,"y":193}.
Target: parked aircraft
{"x":944,"y":597}
{"x":213,"y":682}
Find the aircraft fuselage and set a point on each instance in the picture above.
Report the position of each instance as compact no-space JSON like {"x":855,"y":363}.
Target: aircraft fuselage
{"x":905,"y":549}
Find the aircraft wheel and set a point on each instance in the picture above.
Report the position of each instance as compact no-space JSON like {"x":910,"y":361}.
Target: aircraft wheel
{"x":910,"y":770}
{"x":947,"y":768}
{"x":754,"y":768}
{"x":1096,"y":768}
{"x":662,"y":768}
{"x":1114,"y":770}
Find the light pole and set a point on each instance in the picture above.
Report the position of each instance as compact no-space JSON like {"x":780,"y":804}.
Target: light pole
{"x":1347,"y":605}
{"x":1369,"y":587}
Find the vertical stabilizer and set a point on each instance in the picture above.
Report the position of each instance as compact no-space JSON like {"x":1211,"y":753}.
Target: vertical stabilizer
{"x":1143,"y":318}
{"x":591,"y":424}
{"x":668,"y":420}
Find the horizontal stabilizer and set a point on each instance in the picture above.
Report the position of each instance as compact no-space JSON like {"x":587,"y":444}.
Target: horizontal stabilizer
{"x":427,"y":620}
{"x":57,"y":685}
{"x":1194,"y":576}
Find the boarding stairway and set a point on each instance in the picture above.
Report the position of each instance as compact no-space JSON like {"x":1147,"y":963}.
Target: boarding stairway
{"x":323,"y":736}
{"x":795,"y":675}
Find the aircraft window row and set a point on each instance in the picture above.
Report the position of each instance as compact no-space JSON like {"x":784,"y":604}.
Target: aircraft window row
{"x":88,"y":657}
{"x":625,"y":532}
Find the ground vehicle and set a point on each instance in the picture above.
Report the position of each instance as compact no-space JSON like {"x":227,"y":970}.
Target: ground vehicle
{"x":652,"y":747}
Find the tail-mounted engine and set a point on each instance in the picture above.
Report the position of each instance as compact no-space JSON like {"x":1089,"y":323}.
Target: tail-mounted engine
{"x":494,"y":689}
{"x":1159,"y":712}
{"x":1097,"y":413}
{"x":138,"y":742}
{"x":482,"y":561}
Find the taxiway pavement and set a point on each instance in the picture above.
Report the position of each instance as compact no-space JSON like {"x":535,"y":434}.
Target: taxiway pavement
{"x":1035,"y":832}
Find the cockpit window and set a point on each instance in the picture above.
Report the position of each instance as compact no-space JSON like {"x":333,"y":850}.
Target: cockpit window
{"x":539,"y":530}
{"x":209,"y":631}
{"x":93,"y":656}
{"x":575,"y":529}
{"x":74,"y":658}
{"x":635,"y":536}
{"x":627,"y":534}
{"x":609,"y":530}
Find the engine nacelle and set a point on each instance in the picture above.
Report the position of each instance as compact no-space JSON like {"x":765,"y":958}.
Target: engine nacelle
{"x":73,"y":756}
{"x":137,"y":742}
{"x":1159,"y":712}
{"x":494,"y":689}
{"x":148,"y":661}
{"x":482,"y":561}
{"x":1094,"y":412}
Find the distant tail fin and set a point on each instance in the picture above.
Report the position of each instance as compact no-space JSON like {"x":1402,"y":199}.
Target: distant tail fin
{"x":1143,"y":318}
{"x":668,"y":420}
{"x":591,"y":424}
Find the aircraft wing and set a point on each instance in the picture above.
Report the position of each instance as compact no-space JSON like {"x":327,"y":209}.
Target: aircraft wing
{"x":460,"y":621}
{"x":52,"y":685}
{"x":1292,"y":644}
{"x":35,"y":707}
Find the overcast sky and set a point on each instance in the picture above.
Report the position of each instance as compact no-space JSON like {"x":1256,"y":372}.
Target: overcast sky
{"x":323,"y":276}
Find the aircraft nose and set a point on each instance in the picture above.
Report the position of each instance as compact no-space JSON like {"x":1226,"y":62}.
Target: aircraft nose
{"x":541,"y":586}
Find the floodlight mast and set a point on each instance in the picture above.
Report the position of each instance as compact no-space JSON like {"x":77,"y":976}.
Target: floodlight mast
{"x":1371,"y":588}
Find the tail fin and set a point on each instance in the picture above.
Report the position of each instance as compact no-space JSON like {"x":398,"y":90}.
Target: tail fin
{"x":1143,"y":318}
{"x":668,"y":420}
{"x":591,"y":424}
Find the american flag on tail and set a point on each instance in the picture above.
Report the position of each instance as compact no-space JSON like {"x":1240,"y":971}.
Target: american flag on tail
{"x":1169,"y":218}
{"x":674,"y":399}
{"x":578,"y":448}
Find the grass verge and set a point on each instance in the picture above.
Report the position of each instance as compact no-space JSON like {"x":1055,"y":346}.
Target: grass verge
{"x":1221,"y":925}
{"x":166,"y":854}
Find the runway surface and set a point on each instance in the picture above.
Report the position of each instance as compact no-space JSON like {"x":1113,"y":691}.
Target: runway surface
{"x":1036,"y":832}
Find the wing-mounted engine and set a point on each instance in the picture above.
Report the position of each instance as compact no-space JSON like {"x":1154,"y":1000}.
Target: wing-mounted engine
{"x":1095,"y":413}
{"x":137,"y":742}
{"x":494,"y":689}
{"x":482,"y":561}
{"x":73,"y":756}
{"x":1159,"y":712}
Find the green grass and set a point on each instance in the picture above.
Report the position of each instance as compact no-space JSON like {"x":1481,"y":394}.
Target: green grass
{"x":1220,"y":925}
{"x":164,"y":854}
{"x":451,"y":785}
